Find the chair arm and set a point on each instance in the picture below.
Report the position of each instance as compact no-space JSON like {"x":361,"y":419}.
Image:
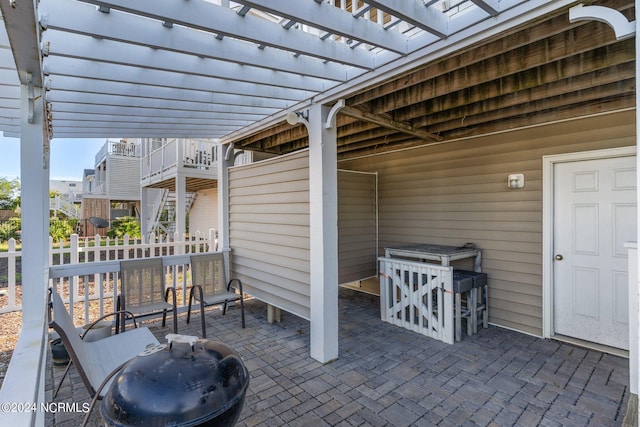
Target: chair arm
{"x":239,"y":285}
{"x":171,"y":290}
{"x":92,"y":324}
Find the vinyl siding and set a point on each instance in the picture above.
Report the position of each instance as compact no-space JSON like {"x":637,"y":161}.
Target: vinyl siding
{"x":357,"y":226}
{"x":204,"y":212}
{"x":269,"y":230}
{"x":456,"y":193}
{"x":123,"y":175}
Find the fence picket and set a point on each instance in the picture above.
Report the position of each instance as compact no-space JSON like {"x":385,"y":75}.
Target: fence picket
{"x":97,"y":284}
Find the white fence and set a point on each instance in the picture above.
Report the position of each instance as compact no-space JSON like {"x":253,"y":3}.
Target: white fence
{"x":417,"y":296}
{"x":79,"y":278}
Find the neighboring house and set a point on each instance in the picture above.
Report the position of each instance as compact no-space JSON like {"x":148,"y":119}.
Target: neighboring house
{"x":111,"y":189}
{"x":68,"y":198}
{"x":178,"y":183}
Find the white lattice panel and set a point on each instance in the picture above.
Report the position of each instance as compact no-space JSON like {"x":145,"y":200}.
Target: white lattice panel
{"x":417,"y":296}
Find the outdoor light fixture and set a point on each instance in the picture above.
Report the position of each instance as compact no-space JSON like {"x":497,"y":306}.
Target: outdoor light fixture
{"x":294,"y":118}
{"x":515,"y":180}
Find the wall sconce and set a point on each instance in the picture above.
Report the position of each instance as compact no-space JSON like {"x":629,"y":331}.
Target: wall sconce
{"x":294,"y":118}
{"x":515,"y":180}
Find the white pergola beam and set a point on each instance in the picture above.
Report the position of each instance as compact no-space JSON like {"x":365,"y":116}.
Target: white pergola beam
{"x":215,"y":19}
{"x":415,"y":13}
{"x":151,"y":103}
{"x":118,"y":110}
{"x":329,"y":18}
{"x":9,"y":92}
{"x":121,"y":73}
{"x":85,"y":19}
{"x":108,"y":51}
{"x":492,"y":7}
{"x":65,"y":117}
{"x":135,"y":133}
{"x":79,"y":84}
{"x":10,"y":103}
{"x":118,"y":128}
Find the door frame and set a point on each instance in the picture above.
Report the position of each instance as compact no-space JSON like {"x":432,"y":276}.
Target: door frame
{"x":548,"y":184}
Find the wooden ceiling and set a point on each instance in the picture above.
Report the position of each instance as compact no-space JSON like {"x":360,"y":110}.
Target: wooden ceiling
{"x":192,"y":184}
{"x":548,"y":71}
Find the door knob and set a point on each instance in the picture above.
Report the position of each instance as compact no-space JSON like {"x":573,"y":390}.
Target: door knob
{"x":559,"y":257}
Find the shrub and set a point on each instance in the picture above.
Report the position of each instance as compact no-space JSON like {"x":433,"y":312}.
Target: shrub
{"x":8,"y":230}
{"x":124,"y":225}
{"x":59,"y":229}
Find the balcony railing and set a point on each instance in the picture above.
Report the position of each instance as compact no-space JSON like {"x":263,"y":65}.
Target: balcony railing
{"x":94,"y":187}
{"x":175,"y":154}
{"x":117,"y":148}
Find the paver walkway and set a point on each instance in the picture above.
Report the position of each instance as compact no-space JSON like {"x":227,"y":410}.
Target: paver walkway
{"x":388,"y":376}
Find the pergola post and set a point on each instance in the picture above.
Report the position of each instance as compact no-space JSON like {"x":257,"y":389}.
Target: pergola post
{"x":223,"y":164}
{"x":323,"y":207}
{"x":34,"y":203}
{"x":635,"y":351}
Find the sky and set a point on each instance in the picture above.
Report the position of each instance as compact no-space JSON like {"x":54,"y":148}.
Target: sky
{"x":69,"y":157}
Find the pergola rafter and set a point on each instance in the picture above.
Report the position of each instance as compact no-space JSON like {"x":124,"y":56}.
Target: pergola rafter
{"x":177,"y":63}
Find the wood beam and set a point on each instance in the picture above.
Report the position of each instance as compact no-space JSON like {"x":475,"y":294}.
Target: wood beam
{"x":19,"y":20}
{"x":500,"y":46}
{"x":387,"y":123}
{"x":507,"y":121}
{"x":531,"y":57}
{"x":570,"y":90}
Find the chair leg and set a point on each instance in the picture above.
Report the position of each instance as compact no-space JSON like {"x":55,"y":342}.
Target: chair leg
{"x":470,"y":304}
{"x":458,"y":316}
{"x":204,"y":326}
{"x":189,"y":305}
{"x":64,"y":375}
{"x":198,"y":289}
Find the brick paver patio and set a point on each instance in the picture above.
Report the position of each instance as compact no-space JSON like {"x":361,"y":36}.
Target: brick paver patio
{"x":388,"y":376}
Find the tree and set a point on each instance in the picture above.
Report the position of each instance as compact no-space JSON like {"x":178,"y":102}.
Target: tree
{"x":9,"y":193}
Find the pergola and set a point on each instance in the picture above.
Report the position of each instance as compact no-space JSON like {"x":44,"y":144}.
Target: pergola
{"x":229,"y":70}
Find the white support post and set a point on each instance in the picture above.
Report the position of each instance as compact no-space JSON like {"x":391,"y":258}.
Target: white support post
{"x":181,"y":205}
{"x":144,"y":211}
{"x":634,"y":352}
{"x":323,"y":206}
{"x":223,"y":194}
{"x":34,"y":206}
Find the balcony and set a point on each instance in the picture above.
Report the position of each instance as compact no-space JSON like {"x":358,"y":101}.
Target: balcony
{"x":117,"y":148}
{"x":192,"y":158}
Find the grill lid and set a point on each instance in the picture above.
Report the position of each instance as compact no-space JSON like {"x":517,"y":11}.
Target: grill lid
{"x":178,"y":384}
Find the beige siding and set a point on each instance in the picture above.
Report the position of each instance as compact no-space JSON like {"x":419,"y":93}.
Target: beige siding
{"x":204,"y":212}
{"x":123,"y":174}
{"x":456,"y":193}
{"x":269,"y":230}
{"x":357,"y":226}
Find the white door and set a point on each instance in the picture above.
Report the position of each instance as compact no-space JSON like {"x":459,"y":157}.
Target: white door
{"x":594,"y":216}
